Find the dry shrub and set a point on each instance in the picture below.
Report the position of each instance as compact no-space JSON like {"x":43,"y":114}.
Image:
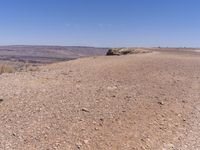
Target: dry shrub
{"x":6,"y":69}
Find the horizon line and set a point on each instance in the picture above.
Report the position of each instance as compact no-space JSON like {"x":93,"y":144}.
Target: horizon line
{"x":186,"y":47}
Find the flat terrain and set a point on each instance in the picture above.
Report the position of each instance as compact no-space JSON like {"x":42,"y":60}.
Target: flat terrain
{"x":134,"y":102}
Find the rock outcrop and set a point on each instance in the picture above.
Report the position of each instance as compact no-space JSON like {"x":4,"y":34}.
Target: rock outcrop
{"x":126,"y":51}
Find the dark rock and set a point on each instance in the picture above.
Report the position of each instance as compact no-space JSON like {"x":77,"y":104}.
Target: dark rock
{"x":85,"y":110}
{"x":126,"y":51}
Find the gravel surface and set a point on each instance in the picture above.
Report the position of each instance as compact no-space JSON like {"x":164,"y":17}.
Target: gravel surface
{"x":134,"y":102}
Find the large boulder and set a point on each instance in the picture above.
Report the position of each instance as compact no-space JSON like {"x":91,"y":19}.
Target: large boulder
{"x":125,"y":51}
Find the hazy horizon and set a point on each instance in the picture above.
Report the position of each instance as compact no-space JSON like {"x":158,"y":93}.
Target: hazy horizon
{"x":97,"y":46}
{"x":119,"y":23}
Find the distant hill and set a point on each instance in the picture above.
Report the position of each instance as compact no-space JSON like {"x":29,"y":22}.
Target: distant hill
{"x":45,"y":54}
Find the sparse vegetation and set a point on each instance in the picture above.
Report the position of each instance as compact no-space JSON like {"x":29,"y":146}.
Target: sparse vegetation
{"x":6,"y":69}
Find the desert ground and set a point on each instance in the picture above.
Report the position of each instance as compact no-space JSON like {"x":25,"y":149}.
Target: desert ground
{"x":147,"y":101}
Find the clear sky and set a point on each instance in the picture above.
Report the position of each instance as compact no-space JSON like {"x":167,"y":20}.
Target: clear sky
{"x":101,"y":23}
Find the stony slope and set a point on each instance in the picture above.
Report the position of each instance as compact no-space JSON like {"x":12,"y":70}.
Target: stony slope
{"x":143,"y":101}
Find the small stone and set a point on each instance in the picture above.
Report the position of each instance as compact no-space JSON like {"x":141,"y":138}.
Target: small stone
{"x":85,"y":141}
{"x":81,"y":119}
{"x":101,"y":119}
{"x":142,"y":140}
{"x":96,"y":129}
{"x":183,"y":101}
{"x":78,"y":145}
{"x":1,"y":100}
{"x":85,"y":110}
{"x":128,"y":97}
{"x":13,"y":134}
{"x":161,"y":103}
{"x":111,"y":88}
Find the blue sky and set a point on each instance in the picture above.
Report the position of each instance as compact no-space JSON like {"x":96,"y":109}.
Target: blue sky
{"x":100,"y":23}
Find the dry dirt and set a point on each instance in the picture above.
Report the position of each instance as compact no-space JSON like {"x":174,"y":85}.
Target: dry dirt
{"x":134,"y":102}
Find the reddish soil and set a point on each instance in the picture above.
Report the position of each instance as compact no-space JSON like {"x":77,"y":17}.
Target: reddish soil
{"x":133,"y":102}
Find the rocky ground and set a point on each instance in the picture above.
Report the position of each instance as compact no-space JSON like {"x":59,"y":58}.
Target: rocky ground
{"x":135,"y":102}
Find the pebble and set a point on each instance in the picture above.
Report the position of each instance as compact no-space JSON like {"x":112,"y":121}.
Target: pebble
{"x":85,"y":141}
{"x":85,"y":110}
{"x":161,"y":103}
{"x":78,"y":145}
